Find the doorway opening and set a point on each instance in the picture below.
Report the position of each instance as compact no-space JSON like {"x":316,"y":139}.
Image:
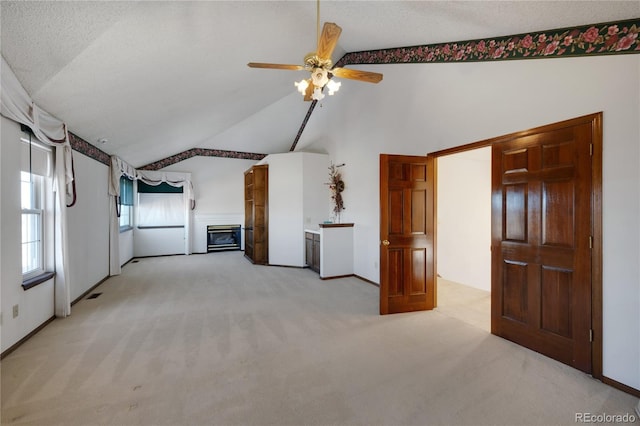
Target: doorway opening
{"x":463,"y":222}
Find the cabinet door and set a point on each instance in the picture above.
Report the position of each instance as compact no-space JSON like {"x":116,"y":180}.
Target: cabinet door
{"x":308,"y":249}
{"x":316,"y":253}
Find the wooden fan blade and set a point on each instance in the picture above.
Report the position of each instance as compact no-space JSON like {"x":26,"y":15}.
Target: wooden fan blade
{"x":275,"y":66}
{"x":309,"y":93}
{"x":366,"y":76}
{"x":328,"y":40}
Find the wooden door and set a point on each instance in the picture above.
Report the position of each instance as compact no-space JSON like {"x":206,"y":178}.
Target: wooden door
{"x":541,"y":241}
{"x":256,"y":210}
{"x":248,"y":214}
{"x":407,"y":272}
{"x":261,"y":214}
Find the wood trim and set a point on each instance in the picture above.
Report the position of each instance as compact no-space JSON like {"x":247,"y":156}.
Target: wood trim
{"x":286,"y":266}
{"x":336,"y":277}
{"x":25,"y":338}
{"x":366,"y":280}
{"x":462,"y":148}
{"x":621,"y":386}
{"x":336,"y":225}
{"x":596,"y":252}
{"x":434,"y":224}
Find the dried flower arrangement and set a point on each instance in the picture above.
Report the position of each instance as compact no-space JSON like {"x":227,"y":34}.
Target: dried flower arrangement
{"x":336,"y":184}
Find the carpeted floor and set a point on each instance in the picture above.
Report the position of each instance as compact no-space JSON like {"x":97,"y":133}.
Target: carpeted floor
{"x":214,"y":340}
{"x":465,"y":303}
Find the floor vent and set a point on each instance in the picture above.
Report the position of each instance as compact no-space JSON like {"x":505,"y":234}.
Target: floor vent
{"x":94,"y":296}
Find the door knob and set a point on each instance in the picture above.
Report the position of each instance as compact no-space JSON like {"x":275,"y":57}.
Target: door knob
{"x":385,"y":242}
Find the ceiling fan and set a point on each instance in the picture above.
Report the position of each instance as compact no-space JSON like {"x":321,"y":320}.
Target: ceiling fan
{"x":320,"y":65}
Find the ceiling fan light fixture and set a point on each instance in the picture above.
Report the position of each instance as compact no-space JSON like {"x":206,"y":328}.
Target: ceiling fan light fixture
{"x":302,"y":86}
{"x":320,"y":66}
{"x":317,"y":94}
{"x":333,"y":86}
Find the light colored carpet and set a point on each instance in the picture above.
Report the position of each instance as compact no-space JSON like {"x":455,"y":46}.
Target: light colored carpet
{"x":465,"y":303}
{"x":214,"y":340}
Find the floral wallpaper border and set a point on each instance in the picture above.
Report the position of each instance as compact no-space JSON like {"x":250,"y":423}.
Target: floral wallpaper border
{"x":609,"y":38}
{"x":204,"y":152}
{"x":91,"y":151}
{"x":80,"y":145}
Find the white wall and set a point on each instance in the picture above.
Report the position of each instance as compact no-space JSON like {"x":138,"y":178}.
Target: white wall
{"x":421,"y":108}
{"x":286,"y":238}
{"x":219,"y":190}
{"x":126,"y":246}
{"x":35,"y":306}
{"x":464,"y":218}
{"x":316,"y":193}
{"x":158,"y":241}
{"x":88,"y":226}
{"x":298,"y":199}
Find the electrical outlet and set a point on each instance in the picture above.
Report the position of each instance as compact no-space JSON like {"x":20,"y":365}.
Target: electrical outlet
{"x":15,"y":310}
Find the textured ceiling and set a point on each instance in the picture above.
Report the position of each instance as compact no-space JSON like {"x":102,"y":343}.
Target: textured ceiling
{"x":158,"y":78}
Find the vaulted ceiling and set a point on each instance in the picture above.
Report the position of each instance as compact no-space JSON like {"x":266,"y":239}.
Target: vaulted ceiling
{"x":159,"y":78}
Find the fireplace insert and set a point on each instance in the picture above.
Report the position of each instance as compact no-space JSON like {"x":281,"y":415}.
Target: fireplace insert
{"x":223,"y":237}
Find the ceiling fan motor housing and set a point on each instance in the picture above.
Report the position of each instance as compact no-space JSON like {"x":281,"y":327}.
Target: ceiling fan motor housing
{"x":312,"y":60}
{"x":319,"y":77}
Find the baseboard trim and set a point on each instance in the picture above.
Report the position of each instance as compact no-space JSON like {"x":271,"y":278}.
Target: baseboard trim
{"x":86,"y":293}
{"x":285,"y":266}
{"x":366,"y":280}
{"x":336,"y":277}
{"x":25,"y":338}
{"x":621,"y":386}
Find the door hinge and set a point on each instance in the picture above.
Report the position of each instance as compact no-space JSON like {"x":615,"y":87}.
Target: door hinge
{"x":591,"y":149}
{"x":591,"y":335}
{"x":590,"y":242}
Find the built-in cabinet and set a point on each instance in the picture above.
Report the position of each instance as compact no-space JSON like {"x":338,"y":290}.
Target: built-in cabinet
{"x":329,"y":250}
{"x":256,"y":214}
{"x":312,"y":250}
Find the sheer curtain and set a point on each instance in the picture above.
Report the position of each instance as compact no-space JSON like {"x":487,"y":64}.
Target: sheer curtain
{"x":118,"y":168}
{"x":17,"y":105}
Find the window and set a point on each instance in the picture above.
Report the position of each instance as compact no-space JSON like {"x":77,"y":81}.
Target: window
{"x":32,"y":224}
{"x":160,"y":206}
{"x":126,"y":203}
{"x":37,"y":204}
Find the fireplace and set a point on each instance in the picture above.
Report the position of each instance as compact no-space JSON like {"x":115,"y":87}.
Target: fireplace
{"x":223,"y":237}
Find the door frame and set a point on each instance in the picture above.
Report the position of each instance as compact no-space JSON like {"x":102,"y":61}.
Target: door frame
{"x":596,"y":216}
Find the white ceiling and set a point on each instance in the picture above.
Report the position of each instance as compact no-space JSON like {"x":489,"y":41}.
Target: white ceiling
{"x":158,"y":78}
